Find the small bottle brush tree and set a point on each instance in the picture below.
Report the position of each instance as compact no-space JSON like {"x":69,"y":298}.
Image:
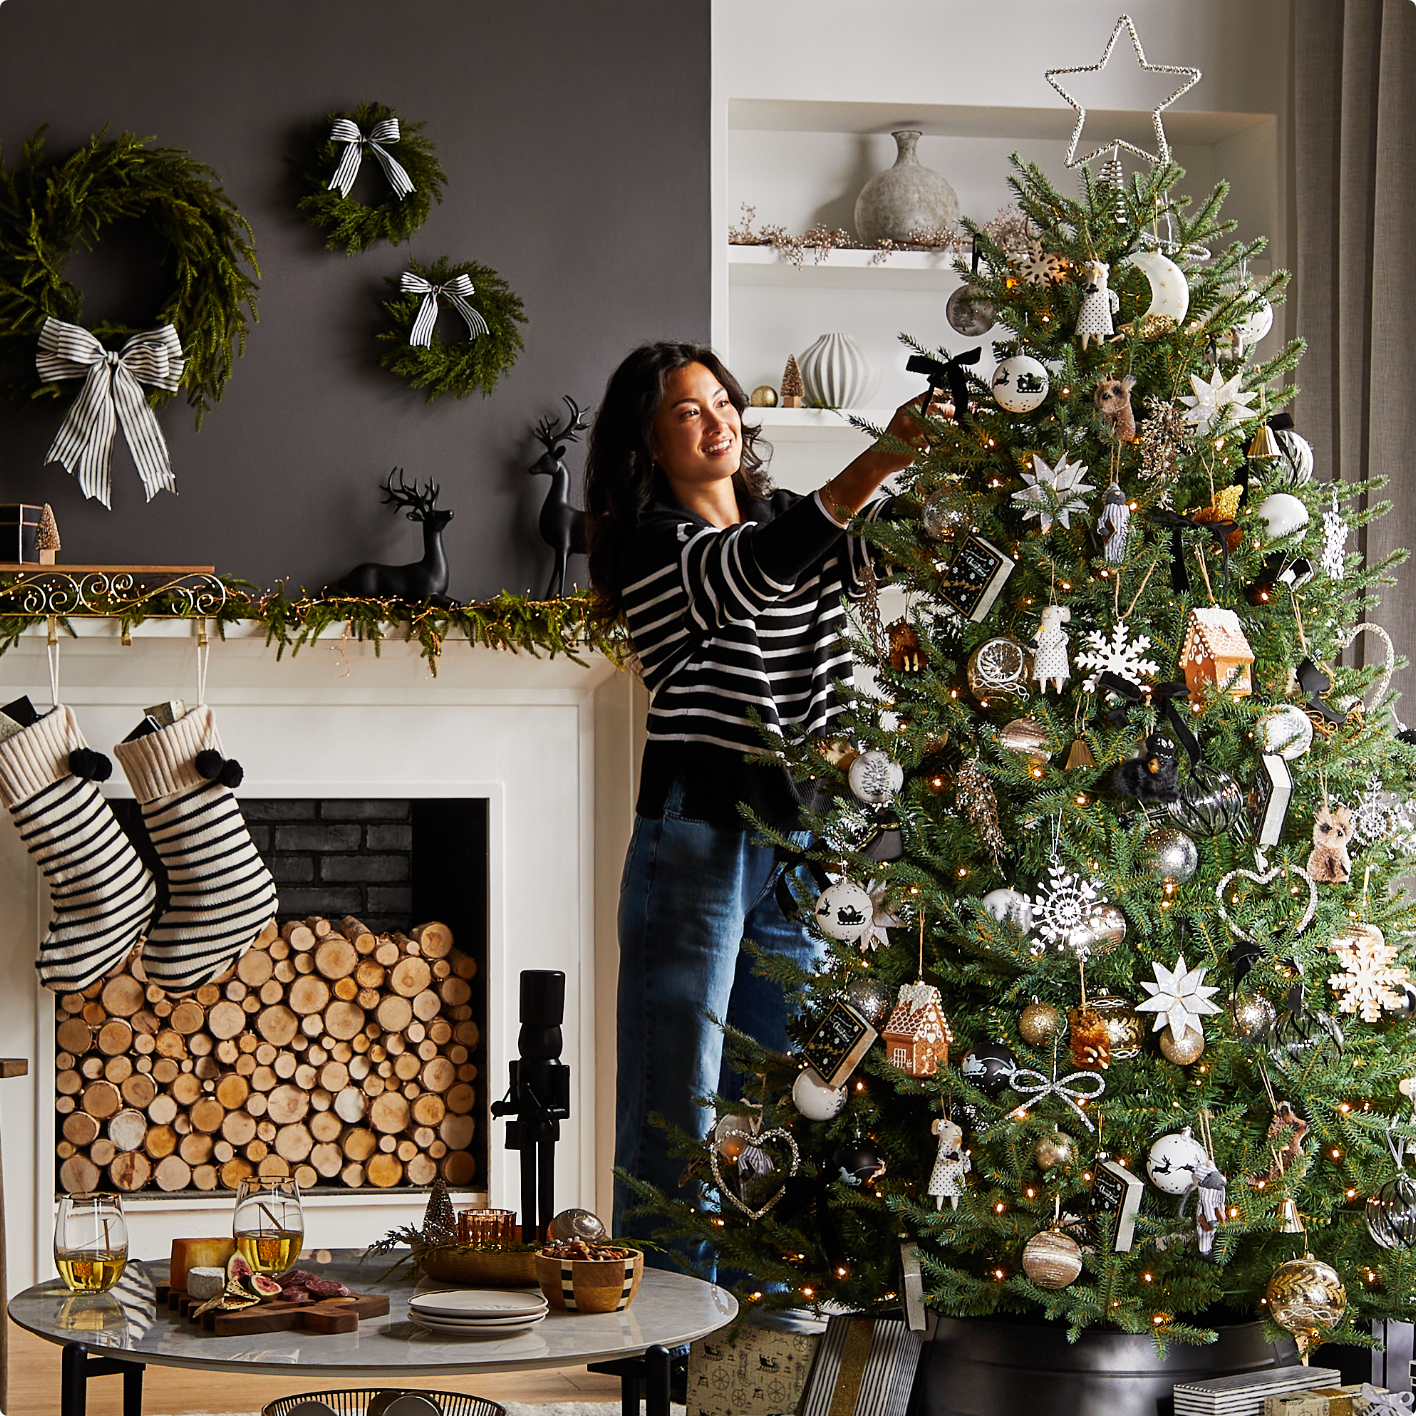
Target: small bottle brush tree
{"x":1124,"y":947}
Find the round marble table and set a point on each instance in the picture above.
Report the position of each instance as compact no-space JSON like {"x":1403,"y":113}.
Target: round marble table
{"x":125,"y":1329}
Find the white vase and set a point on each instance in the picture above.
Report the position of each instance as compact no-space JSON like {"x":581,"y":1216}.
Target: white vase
{"x":837,"y":374}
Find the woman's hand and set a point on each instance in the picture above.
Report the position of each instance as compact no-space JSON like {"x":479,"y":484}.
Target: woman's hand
{"x":906,"y":424}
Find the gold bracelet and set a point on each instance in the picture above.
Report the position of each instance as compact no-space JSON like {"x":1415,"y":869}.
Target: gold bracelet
{"x":833,"y":506}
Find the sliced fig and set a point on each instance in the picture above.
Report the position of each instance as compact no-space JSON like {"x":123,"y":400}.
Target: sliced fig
{"x":266,"y":1287}
{"x":237,"y":1269}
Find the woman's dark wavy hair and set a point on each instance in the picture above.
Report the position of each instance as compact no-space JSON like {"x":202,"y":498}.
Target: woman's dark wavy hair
{"x":620,"y":467}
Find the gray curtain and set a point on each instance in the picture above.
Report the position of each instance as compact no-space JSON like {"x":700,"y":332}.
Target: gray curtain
{"x":1354,"y":154}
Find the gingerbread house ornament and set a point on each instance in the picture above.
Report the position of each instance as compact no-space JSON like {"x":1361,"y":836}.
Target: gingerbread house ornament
{"x":1215,"y":652}
{"x":916,"y":1034}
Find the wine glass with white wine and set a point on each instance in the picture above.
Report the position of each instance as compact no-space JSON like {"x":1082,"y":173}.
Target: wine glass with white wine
{"x":269,"y":1224}
{"x":90,"y":1242}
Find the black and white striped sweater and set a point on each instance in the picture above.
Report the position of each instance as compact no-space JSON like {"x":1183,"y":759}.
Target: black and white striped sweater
{"x":729,"y":623}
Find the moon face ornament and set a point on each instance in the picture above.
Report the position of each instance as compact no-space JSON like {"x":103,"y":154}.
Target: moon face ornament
{"x":1170,"y":291}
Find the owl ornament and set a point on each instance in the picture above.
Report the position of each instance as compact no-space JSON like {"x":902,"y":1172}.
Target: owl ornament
{"x":1329,"y":862}
{"x":1113,"y":524}
{"x":1099,"y":303}
{"x":951,"y":1163}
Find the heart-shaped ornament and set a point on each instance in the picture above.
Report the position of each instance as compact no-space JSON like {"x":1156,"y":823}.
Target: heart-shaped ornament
{"x":1263,"y":879}
{"x":755,"y":1164}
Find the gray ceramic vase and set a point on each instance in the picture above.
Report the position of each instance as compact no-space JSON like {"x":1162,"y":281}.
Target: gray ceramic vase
{"x":906,"y":200}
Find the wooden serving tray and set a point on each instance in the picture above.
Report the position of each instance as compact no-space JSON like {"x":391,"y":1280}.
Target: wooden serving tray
{"x":331,"y":1315}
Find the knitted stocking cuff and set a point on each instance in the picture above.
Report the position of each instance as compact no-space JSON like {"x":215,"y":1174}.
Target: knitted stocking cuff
{"x":38,"y":757}
{"x":165,"y":762}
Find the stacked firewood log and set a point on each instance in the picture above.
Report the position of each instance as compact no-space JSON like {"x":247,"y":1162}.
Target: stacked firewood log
{"x":328,"y":1053}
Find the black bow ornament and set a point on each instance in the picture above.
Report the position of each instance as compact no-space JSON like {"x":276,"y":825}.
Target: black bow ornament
{"x":951,"y":374}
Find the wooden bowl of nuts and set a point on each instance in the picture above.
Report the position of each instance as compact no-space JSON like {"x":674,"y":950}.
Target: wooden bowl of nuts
{"x":580,"y":1277}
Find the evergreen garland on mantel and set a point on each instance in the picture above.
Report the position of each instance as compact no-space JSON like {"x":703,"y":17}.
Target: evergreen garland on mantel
{"x":509,"y":622}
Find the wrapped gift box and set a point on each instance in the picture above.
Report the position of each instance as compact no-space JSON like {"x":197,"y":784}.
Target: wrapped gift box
{"x":1323,"y":1401}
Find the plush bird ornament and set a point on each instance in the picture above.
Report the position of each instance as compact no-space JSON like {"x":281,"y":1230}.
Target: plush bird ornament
{"x":1154,"y":776}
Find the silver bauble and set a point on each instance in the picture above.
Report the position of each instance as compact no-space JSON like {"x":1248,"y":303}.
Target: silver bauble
{"x":1027,"y":736}
{"x":1211,"y":803}
{"x":1286,"y":730}
{"x":1251,"y":1018}
{"x":941,"y":519}
{"x":1103,"y":929}
{"x":1170,"y":855}
{"x":1056,"y":1148}
{"x":1000,"y":665}
{"x":1010,"y":904}
{"x":969,"y":311}
{"x":1052,"y":1259}
{"x":1295,"y":464}
{"x":1391,"y":1213}
{"x":871,"y":999}
{"x":577,"y":1224}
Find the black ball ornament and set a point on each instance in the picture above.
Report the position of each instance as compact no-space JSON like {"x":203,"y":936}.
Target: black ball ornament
{"x":858,"y":1164}
{"x":990,"y":1067}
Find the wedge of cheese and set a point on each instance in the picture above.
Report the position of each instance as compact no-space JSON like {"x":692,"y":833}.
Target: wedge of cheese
{"x":204,"y":1283}
{"x":188,"y":1254}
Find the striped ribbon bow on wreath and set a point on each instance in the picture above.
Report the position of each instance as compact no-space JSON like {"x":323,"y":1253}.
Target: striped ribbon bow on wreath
{"x":348,"y":132}
{"x":455,"y":291}
{"x":111,"y":394}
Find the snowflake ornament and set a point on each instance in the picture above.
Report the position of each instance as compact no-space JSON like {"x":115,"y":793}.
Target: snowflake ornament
{"x":1063,"y":905}
{"x":1037,"y":267}
{"x":877,"y":932}
{"x":1178,"y":997}
{"x":1053,"y":491}
{"x":1214,"y":401}
{"x":1377,"y":814}
{"x":1120,"y":655}
{"x":1334,"y":557}
{"x":1369,"y":981}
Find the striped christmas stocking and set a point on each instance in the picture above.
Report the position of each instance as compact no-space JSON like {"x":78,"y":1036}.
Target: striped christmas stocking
{"x":220,"y":892}
{"x":102,"y":894}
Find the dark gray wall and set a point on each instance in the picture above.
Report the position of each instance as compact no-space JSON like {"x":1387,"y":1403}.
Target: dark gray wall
{"x":575,"y":140}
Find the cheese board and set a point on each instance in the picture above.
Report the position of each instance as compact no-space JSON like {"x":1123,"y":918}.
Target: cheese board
{"x":331,"y":1315}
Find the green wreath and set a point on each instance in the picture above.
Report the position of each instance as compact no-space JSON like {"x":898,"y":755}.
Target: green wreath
{"x":350,"y":225}
{"x":466,"y":365}
{"x":50,"y":210}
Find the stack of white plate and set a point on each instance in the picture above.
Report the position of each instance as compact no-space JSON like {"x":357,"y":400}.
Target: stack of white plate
{"x":485,"y":1312}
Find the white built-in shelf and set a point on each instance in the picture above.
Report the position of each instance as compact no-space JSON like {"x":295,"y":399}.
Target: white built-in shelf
{"x":844,"y":269}
{"x":827,"y":425}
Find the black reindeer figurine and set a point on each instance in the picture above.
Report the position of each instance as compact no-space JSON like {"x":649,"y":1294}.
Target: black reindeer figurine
{"x":421,"y":580}
{"x":561,"y":525}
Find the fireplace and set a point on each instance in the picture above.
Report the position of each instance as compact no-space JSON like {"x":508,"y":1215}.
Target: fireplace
{"x":543,"y":750}
{"x":346,"y":1049}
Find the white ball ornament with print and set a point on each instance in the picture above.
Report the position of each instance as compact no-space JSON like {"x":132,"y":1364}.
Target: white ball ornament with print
{"x":814,"y":1099}
{"x":1286,"y":730}
{"x":844,"y":911}
{"x":1257,"y":321}
{"x":875,"y":777}
{"x":1020,"y":383}
{"x":1176,"y":1162}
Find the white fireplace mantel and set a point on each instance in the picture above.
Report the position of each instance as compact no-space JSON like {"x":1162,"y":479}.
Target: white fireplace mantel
{"x":552,"y":744}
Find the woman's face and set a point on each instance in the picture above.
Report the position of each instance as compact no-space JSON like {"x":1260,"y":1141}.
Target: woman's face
{"x":697,"y":431}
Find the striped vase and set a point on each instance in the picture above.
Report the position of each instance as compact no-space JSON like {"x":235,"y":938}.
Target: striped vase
{"x":837,"y":374}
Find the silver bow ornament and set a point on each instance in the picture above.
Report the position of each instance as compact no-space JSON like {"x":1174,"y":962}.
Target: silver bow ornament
{"x":1386,"y":1403}
{"x":111,"y":394}
{"x":1070,"y":1089}
{"x":347,"y":131}
{"x":455,"y":291}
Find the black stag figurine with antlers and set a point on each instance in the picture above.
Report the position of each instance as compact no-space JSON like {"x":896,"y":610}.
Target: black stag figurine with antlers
{"x":561,"y":525}
{"x":421,"y":580}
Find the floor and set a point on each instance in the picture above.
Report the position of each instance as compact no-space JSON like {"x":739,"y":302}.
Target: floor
{"x":170,"y":1391}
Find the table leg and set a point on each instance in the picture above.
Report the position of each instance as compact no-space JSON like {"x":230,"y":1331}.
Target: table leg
{"x":76,"y":1367}
{"x":629,"y":1395}
{"x":656,"y":1381}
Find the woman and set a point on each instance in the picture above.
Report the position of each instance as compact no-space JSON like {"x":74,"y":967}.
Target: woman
{"x":732,"y":596}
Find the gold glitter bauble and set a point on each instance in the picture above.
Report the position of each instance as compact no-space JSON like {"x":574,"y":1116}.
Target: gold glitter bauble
{"x":1052,"y":1259}
{"x":1252,"y":1017}
{"x":1039,"y":1023}
{"x":764,"y":396}
{"x":1182,"y":1051}
{"x":1306,"y":1297}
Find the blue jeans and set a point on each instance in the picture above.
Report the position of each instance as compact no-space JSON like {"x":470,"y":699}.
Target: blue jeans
{"x":690,"y":895}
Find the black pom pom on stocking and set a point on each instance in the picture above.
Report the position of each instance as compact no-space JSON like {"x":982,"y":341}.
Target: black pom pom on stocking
{"x":90,"y":766}
{"x":216,"y":768}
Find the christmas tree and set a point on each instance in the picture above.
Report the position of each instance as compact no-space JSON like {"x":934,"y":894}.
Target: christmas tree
{"x":1112,"y":853}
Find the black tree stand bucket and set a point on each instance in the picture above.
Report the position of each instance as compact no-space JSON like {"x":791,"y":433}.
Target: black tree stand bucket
{"x":988,"y":1367}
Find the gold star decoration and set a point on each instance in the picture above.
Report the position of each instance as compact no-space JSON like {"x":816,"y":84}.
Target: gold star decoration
{"x":1191,"y":77}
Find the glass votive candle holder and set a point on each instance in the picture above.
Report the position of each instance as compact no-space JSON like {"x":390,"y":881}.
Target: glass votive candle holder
{"x":486,"y":1228}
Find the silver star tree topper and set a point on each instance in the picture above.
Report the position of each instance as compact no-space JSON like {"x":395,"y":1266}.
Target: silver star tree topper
{"x":1191,"y":77}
